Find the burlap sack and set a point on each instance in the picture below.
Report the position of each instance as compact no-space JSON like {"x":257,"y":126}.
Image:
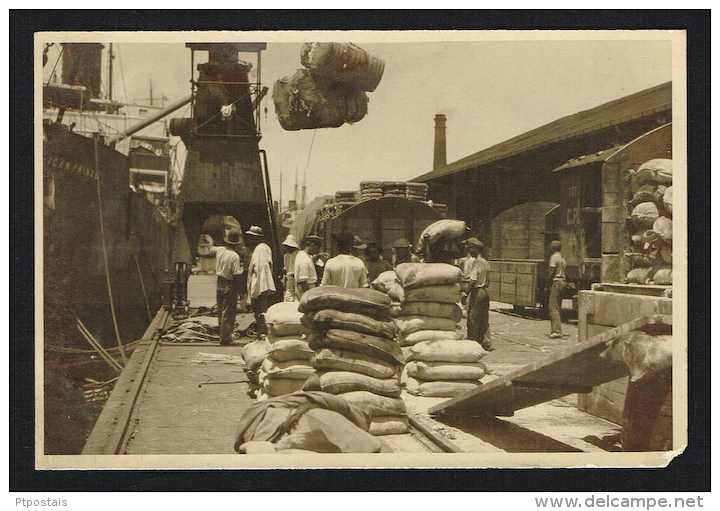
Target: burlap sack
{"x":657,"y":171}
{"x":326,"y":319}
{"x":336,"y":359}
{"x":645,"y":214}
{"x":435,"y":309}
{"x":410,"y":324}
{"x":440,"y":388}
{"x":429,"y":335}
{"x":361,"y":301}
{"x":378,"y":347}
{"x":443,"y":371}
{"x":254,"y":353}
{"x":449,"y":293}
{"x":290,"y":348}
{"x":339,"y":382}
{"x":414,"y":275}
{"x":293,"y":369}
{"x":389,"y":425}
{"x":446,"y":228}
{"x":466,"y":351}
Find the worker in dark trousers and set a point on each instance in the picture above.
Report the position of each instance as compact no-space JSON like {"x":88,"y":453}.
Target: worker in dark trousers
{"x":230,"y":280}
{"x":260,"y":282}
{"x":557,"y":285}
{"x":478,"y":301}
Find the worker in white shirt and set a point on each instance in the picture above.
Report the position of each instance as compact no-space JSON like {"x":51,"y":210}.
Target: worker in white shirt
{"x":230,"y":281}
{"x":305,"y":271}
{"x":260,"y":282}
{"x":345,"y":270}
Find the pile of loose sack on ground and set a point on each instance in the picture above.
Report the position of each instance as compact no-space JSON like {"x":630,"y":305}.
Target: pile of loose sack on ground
{"x":366,"y":345}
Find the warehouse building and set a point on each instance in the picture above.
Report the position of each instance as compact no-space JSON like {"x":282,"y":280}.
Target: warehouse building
{"x":479,"y":187}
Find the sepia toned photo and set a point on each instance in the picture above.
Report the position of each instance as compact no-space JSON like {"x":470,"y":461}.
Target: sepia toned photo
{"x":360,"y":249}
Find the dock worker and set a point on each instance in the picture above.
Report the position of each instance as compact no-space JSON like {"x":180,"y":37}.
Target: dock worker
{"x":465,"y":264}
{"x":374,"y":264}
{"x":291,"y":248}
{"x":230,"y":281}
{"x":556,"y":284}
{"x":345,"y":270}
{"x":260,"y":283}
{"x":305,"y":271}
{"x":358,"y":248}
{"x":401,"y":252}
{"x":478,"y":301}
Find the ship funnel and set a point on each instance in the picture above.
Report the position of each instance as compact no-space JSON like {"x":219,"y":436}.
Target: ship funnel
{"x":82,"y":66}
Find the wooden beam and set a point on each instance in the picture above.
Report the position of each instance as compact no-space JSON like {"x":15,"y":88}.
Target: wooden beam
{"x":565,"y":372}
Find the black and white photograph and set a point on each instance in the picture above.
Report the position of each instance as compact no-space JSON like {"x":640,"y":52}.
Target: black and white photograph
{"x":329,"y":249}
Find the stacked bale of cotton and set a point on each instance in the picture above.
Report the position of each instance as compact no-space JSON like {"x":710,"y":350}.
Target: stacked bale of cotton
{"x":356,"y":351}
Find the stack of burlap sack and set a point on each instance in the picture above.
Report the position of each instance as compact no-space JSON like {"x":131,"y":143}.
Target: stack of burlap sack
{"x":357,"y":354}
{"x":650,"y":258}
{"x":439,"y":362}
{"x":286,"y":366}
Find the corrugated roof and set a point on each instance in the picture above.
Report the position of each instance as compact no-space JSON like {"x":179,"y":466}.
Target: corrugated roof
{"x":585,"y":159}
{"x":640,"y":104}
{"x":604,"y":155}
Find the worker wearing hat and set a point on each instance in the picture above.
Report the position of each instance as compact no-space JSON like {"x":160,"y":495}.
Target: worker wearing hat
{"x":291,"y":250}
{"x":345,"y":270}
{"x":230,"y":280}
{"x":260,"y":283}
{"x":373,"y":262}
{"x":478,"y":300}
{"x":556,"y":285}
{"x":305,"y":272}
{"x":401,"y":252}
{"x":357,"y":247}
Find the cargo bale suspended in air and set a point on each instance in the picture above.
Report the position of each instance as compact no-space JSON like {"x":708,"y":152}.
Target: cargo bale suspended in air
{"x":331,"y":91}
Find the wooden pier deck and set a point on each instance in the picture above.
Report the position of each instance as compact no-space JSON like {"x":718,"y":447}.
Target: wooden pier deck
{"x":187,"y":398}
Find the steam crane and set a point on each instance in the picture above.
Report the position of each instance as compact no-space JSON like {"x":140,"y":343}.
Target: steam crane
{"x":225,"y":171}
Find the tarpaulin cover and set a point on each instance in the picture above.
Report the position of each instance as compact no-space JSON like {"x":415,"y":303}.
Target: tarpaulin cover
{"x":269,"y":421}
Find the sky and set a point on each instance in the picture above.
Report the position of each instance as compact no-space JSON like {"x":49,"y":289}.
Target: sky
{"x":490,"y":85}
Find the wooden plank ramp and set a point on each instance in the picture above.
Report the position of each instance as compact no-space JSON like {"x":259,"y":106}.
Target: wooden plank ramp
{"x":575,"y":369}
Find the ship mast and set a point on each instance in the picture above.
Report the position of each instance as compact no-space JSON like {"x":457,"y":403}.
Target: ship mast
{"x":111,"y":57}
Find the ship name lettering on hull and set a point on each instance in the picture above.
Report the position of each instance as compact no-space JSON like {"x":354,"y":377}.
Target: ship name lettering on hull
{"x":63,"y":164}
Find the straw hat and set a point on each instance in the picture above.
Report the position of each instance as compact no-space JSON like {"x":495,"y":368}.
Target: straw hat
{"x":255,"y":231}
{"x":357,"y":243}
{"x":401,"y":243}
{"x":313,"y":238}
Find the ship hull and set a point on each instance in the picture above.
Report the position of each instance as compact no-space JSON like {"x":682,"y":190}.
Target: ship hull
{"x":105,"y":252}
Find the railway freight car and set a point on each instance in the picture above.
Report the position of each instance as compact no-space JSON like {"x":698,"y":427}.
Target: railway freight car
{"x":518,"y":264}
{"x":382,"y":220}
{"x":592,"y":221}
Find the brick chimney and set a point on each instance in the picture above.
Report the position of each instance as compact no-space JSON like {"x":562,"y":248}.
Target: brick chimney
{"x":440,"y":155}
